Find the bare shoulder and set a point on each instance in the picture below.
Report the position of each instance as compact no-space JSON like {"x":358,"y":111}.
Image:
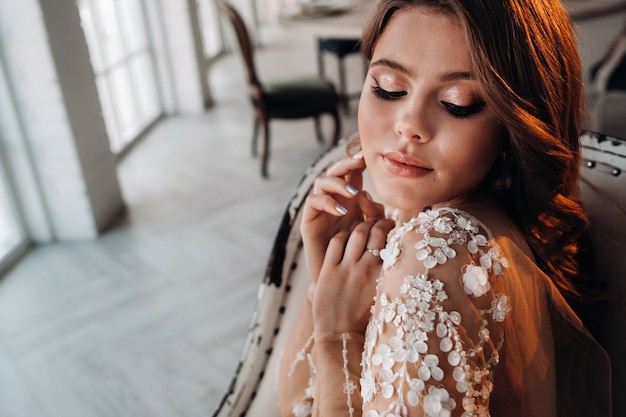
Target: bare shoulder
{"x":499,"y":224}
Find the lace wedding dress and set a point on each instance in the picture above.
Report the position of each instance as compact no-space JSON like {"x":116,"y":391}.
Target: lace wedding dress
{"x":465,"y":324}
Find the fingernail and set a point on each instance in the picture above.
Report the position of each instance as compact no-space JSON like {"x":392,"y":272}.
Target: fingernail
{"x":352,"y":190}
{"x":357,"y":155}
{"x":341,"y":209}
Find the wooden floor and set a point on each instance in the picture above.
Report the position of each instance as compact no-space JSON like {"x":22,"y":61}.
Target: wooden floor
{"x":149,"y":320}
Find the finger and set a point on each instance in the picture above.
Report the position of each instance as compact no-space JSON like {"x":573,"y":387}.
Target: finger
{"x":377,"y":238}
{"x":334,"y":185}
{"x":355,"y":177}
{"x":336,"y":248}
{"x":350,"y":169}
{"x":357,"y":241}
{"x":380,"y":231}
{"x":372,"y":211}
{"x":316,"y":204}
{"x":347,"y":165}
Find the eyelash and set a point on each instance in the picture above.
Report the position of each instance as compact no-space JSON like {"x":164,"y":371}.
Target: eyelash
{"x":387,"y":95}
{"x":463,"y":111}
{"x":453,"y":109}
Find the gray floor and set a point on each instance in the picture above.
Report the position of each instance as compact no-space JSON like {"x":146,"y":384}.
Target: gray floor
{"x":150,"y":319}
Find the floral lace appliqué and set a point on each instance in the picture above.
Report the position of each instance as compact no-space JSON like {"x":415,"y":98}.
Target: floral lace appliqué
{"x":409,"y":368}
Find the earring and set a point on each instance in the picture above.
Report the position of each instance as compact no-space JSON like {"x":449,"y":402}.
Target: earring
{"x":504,"y":178}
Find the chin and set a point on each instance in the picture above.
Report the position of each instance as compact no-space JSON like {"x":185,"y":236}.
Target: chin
{"x":404,"y":200}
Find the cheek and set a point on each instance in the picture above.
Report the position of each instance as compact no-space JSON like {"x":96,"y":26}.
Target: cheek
{"x":482,"y":156}
{"x":365,"y":123}
{"x":365,"y":111}
{"x":494,"y":143}
{"x":373,"y":118}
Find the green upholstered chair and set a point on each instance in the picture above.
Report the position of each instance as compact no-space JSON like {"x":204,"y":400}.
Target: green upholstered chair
{"x":296,"y":98}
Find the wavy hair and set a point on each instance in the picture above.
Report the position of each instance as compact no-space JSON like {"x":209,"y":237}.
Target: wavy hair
{"x":525,"y":57}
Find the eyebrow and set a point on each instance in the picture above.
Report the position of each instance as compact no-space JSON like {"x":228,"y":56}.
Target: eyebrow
{"x":453,"y":76}
{"x":446,"y":76}
{"x":393,"y":65}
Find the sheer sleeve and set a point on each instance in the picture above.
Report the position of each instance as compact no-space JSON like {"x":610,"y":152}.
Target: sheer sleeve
{"x":465,"y":324}
{"x":434,"y":339}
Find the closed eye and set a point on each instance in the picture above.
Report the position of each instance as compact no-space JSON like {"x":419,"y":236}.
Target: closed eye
{"x":463,"y":111}
{"x":387,"y":95}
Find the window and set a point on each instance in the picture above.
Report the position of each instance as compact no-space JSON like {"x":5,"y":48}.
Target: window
{"x":211,"y":31}
{"x":12,"y":237}
{"x":10,"y":234}
{"x":123,"y":62}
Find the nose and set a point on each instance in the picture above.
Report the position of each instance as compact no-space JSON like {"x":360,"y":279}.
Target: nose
{"x":413,"y":121}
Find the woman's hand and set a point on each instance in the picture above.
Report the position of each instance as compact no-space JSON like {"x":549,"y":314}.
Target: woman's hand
{"x":344,"y":293}
{"x":336,"y":204}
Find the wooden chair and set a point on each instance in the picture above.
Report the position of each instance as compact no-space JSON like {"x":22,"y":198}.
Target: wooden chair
{"x":284,"y":99}
{"x":340,"y":48}
{"x":253,"y":390}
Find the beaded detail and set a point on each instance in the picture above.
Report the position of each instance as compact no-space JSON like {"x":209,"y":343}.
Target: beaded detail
{"x":348,"y":386}
{"x":431,"y":361}
{"x":305,"y":407}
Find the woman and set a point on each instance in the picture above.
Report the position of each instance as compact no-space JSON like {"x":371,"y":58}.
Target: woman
{"x":468,"y":124}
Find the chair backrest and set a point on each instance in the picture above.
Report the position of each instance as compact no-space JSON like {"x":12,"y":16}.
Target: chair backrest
{"x":244,"y":44}
{"x":608,"y":73}
{"x":603,"y":188}
{"x":606,"y":89}
{"x":281,"y":296}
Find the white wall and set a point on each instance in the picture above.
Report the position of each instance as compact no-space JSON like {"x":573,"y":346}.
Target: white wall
{"x":61,"y":127}
{"x":186,"y":62}
{"x":53,"y":136}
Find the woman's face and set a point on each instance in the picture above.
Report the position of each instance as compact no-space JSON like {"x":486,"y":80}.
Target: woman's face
{"x":427,"y":136}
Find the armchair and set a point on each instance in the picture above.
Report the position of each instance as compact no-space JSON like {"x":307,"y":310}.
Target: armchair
{"x":283,"y":289}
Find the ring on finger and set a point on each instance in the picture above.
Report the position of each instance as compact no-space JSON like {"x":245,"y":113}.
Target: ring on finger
{"x":374,"y":251}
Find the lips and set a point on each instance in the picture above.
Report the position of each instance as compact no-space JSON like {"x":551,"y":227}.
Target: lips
{"x":403,"y":165}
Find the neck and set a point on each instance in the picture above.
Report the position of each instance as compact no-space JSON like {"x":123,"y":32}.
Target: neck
{"x":462,"y":203}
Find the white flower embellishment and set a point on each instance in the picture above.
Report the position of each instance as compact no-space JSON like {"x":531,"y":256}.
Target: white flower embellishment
{"x":500,"y":308}
{"x":368,"y":387}
{"x":302,"y":409}
{"x":430,"y":356}
{"x":432,"y":257}
{"x":475,"y":280}
{"x":438,"y":402}
{"x":390,"y":254}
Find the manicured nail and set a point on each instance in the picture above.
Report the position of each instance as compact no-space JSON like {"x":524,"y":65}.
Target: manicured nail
{"x":357,"y":155}
{"x":341,"y":209}
{"x":352,"y":190}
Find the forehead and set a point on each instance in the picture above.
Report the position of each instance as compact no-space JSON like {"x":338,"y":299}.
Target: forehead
{"x":422,"y":35}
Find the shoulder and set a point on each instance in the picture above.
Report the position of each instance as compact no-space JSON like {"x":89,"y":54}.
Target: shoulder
{"x":452,"y":256}
{"x":437,"y":305}
{"x":444,"y":241}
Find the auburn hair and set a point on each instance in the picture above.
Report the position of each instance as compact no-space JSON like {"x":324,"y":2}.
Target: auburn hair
{"x":525,"y":57}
